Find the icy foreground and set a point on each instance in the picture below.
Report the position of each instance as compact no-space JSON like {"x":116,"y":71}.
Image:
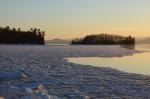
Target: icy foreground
{"x":41,"y":72}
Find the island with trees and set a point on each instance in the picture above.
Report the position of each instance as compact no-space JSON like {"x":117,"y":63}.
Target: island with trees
{"x":104,"y":39}
{"x":17,"y":36}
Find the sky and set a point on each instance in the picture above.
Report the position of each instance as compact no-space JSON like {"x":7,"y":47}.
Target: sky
{"x":69,"y":19}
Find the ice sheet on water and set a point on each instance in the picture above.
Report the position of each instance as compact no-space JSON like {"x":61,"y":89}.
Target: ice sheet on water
{"x":46,"y":63}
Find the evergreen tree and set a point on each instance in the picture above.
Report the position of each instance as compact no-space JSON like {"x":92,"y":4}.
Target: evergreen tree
{"x":106,"y":39}
{"x":13,"y":36}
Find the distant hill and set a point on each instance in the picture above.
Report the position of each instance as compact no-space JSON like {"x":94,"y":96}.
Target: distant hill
{"x":58,"y":41}
{"x":145,"y":40}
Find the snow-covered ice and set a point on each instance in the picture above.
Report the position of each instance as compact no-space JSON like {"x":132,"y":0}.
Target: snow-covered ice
{"x":45,"y":66}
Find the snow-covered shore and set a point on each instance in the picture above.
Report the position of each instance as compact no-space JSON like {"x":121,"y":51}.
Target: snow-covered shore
{"x":45,"y":68}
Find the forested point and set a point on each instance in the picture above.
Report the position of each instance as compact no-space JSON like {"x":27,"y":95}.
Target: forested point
{"x":104,"y":39}
{"x":17,"y":36}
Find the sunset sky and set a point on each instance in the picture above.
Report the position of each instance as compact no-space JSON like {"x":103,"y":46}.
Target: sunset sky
{"x":68,"y":19}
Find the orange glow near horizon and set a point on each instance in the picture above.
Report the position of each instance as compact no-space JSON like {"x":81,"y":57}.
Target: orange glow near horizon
{"x":67,"y":19}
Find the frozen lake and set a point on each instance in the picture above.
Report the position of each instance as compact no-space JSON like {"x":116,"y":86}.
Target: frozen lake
{"x":136,"y":63}
{"x":45,"y":66}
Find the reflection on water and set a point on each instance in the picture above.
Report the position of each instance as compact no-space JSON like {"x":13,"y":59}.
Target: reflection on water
{"x":137,"y":63}
{"x":128,"y":46}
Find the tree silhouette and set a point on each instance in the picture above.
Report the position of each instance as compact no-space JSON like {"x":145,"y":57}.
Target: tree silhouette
{"x":106,"y":39}
{"x":13,"y":36}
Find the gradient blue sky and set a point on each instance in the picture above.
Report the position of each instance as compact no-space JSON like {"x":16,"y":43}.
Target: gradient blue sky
{"x":76,"y":18}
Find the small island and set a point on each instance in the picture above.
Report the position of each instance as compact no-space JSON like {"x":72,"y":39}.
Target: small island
{"x":16,"y":36}
{"x":104,"y":39}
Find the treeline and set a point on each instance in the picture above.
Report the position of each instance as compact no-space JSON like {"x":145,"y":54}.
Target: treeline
{"x":16,"y":36}
{"x":104,"y":39}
